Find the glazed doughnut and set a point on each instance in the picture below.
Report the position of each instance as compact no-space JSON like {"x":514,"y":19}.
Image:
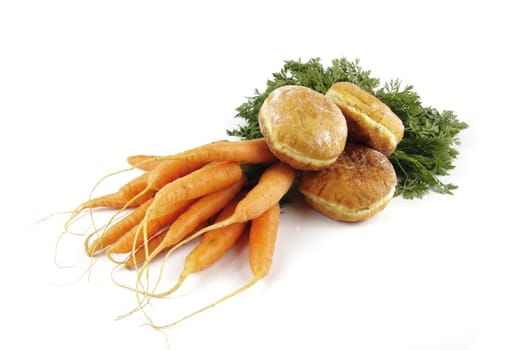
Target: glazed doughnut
{"x":302,"y":127}
{"x":370,"y":121}
{"x":358,"y":185}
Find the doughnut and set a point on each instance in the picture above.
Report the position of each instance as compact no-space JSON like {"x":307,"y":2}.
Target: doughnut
{"x":358,"y":185}
{"x":369,"y":121}
{"x":302,"y":127}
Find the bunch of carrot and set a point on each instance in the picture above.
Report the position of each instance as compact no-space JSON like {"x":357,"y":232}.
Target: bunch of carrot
{"x":201,"y":191}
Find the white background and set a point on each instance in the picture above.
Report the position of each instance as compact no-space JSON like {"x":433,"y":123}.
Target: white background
{"x":85,"y":84}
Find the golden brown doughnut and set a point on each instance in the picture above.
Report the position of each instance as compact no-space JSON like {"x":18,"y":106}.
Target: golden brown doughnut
{"x":370,"y":121}
{"x":358,"y":185}
{"x":302,"y":127}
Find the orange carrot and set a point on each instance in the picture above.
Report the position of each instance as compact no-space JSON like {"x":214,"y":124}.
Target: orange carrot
{"x":114,"y":232}
{"x":203,"y":209}
{"x":213,"y":245}
{"x":170,"y":170}
{"x":196,"y":184}
{"x":249,"y":151}
{"x":138,"y":256}
{"x":263,"y":234}
{"x":134,"y":187}
{"x":134,"y":237}
{"x":273,"y":184}
{"x":130,"y":194}
{"x":144,"y":162}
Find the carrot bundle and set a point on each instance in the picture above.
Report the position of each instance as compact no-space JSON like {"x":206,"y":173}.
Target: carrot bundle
{"x":204,"y":192}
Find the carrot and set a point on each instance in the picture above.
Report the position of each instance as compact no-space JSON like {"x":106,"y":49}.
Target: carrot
{"x":136,"y":234}
{"x":203,"y":209}
{"x":138,"y":256}
{"x":144,"y":162}
{"x":132,"y":194}
{"x":135,"y":187}
{"x":273,"y":184}
{"x":196,"y":184}
{"x":263,"y":234}
{"x":249,"y":151}
{"x":117,"y":230}
{"x":170,"y":170}
{"x":213,"y":245}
